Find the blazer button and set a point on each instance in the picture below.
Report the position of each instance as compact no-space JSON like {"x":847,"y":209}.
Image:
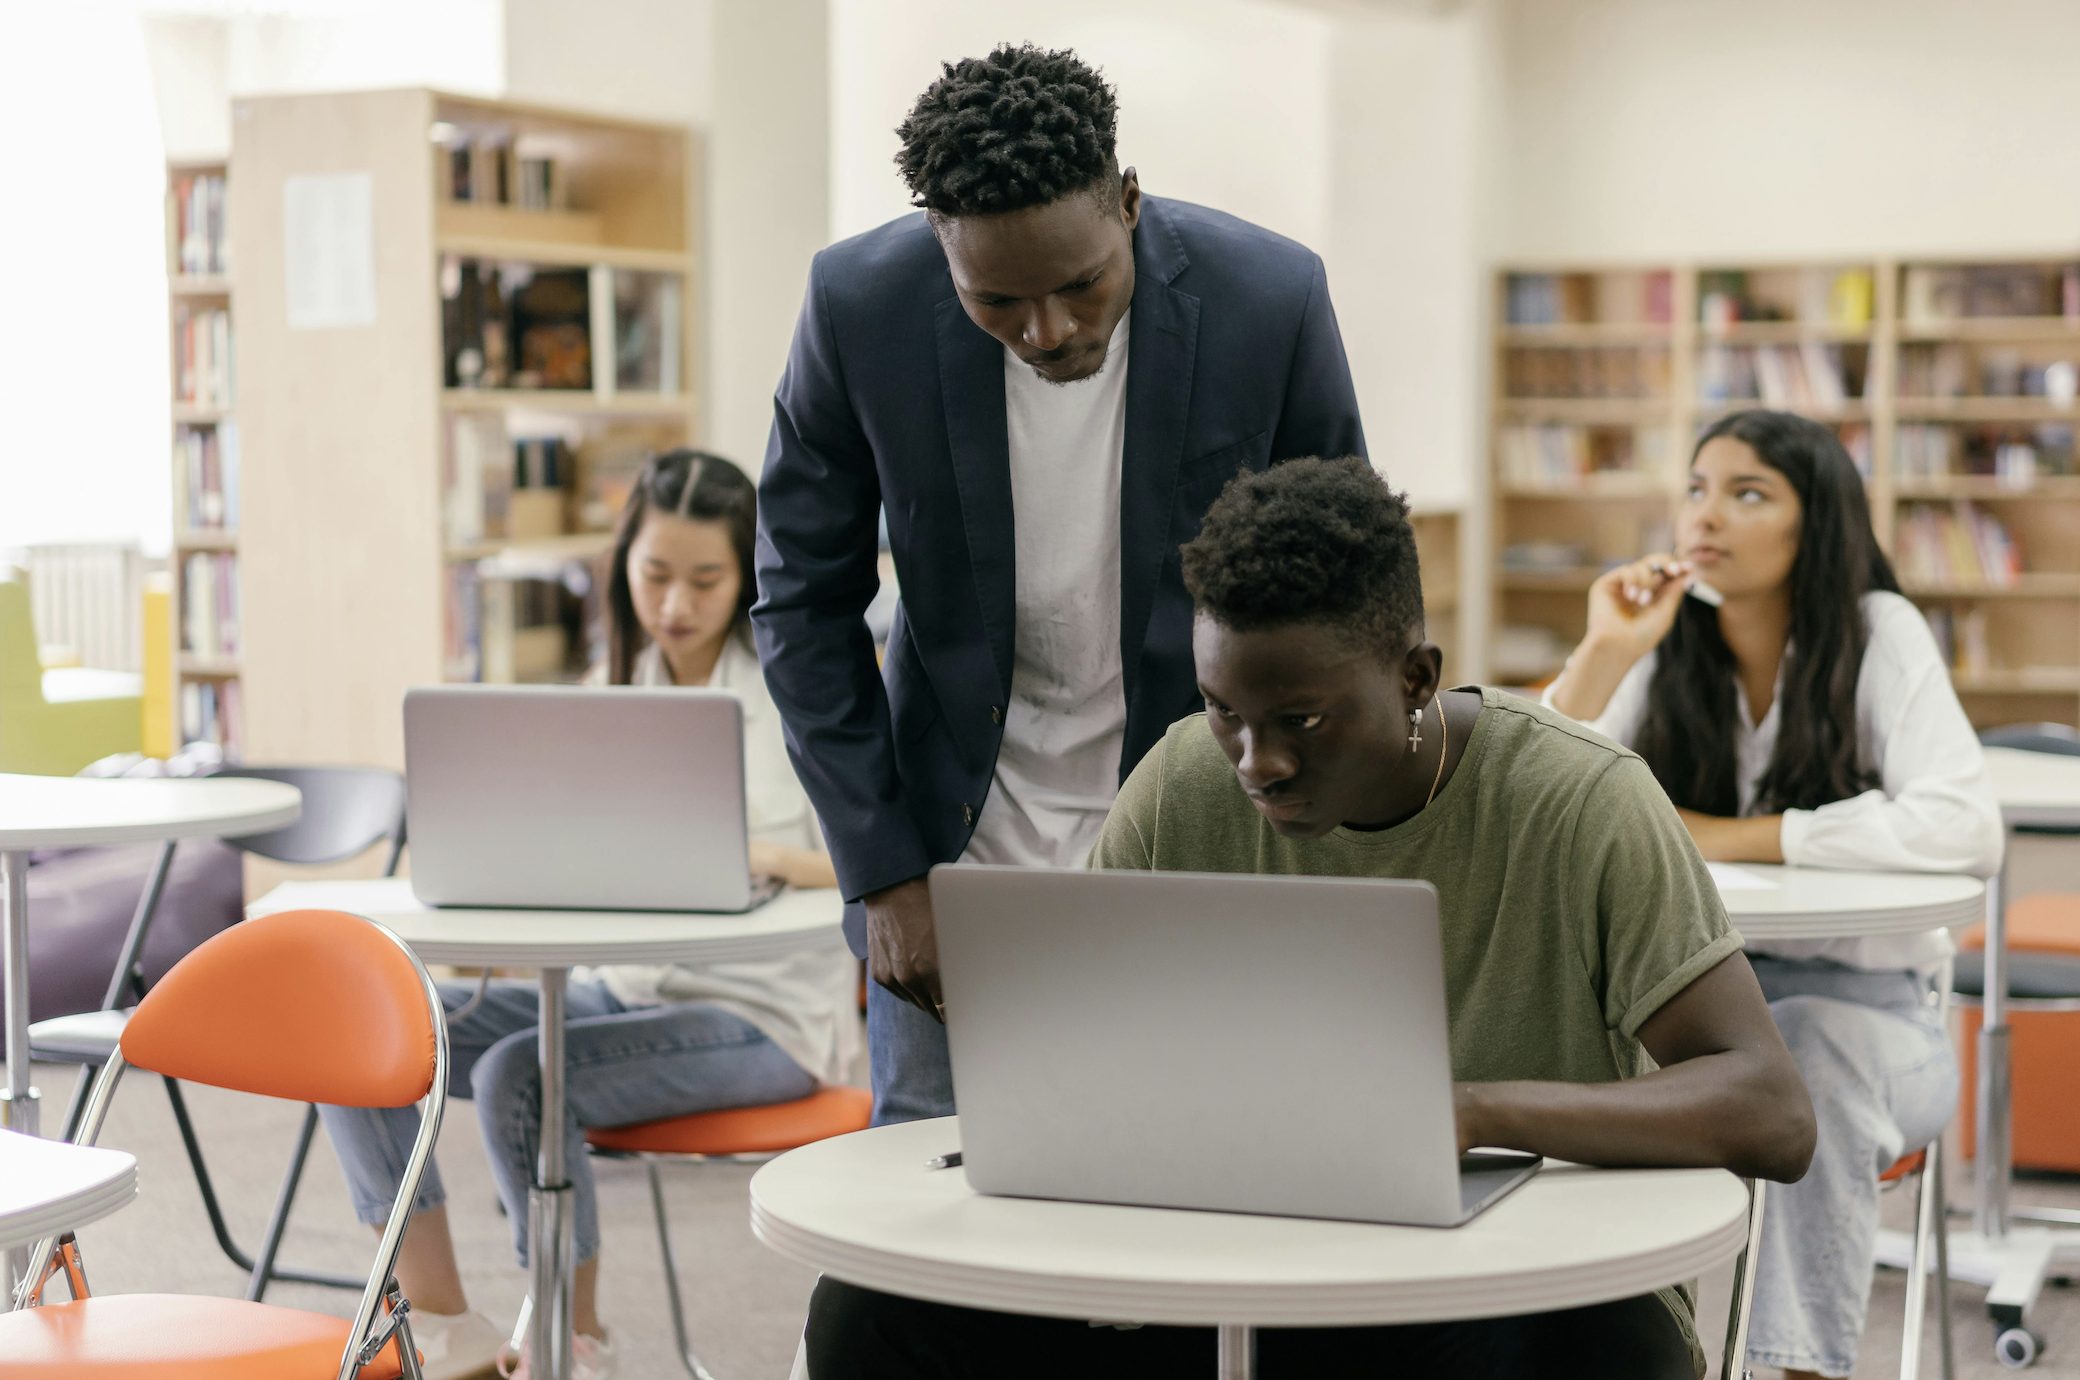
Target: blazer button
{"x":996,"y":714}
{"x":968,"y":815}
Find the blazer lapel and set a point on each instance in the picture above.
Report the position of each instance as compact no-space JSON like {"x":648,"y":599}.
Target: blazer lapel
{"x":971,"y":387}
{"x":1160,"y":351}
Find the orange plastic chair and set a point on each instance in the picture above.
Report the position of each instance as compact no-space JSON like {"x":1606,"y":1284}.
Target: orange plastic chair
{"x":737,"y":1134}
{"x":311,"y":1006}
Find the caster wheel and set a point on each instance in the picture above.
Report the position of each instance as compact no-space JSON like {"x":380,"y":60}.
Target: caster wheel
{"x":2017,"y":1347}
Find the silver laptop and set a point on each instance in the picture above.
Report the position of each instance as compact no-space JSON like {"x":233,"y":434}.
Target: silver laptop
{"x":1245,"y":1044}
{"x":571,"y":798}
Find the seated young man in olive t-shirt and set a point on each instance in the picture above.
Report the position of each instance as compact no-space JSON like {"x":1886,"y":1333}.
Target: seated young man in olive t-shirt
{"x":1600,"y":1008}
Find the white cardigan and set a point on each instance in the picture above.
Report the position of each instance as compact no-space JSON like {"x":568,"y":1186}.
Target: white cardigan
{"x":1933,"y":809}
{"x":806,"y":1002}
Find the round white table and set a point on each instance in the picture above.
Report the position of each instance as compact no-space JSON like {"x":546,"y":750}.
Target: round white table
{"x":1767,"y":902}
{"x":552,"y":942}
{"x":864,"y":1208}
{"x":48,"y":1187}
{"x":72,"y":812}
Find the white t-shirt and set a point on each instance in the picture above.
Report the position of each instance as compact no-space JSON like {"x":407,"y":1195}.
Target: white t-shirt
{"x":1065,"y":728}
{"x":805,"y":1002}
{"x":1933,"y":809}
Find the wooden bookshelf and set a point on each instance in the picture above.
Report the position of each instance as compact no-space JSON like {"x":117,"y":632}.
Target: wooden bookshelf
{"x":1442,"y":554}
{"x":207,"y":688}
{"x":534,"y":297}
{"x":1953,"y":383}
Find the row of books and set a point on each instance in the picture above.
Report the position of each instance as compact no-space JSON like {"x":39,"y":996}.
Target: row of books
{"x":209,"y":604}
{"x":1958,"y":545}
{"x":483,"y":466}
{"x":486,"y":170}
{"x":206,"y":458}
{"x":1933,"y":294}
{"x":1950,"y":370}
{"x":1561,"y":456}
{"x":212,"y":712}
{"x":1961,"y":637}
{"x":202,"y":364}
{"x":199,"y":242}
{"x":1813,"y":296}
{"x":2016,"y":455}
{"x":1809,"y":374}
{"x":1572,"y":299}
{"x":1613,"y":372}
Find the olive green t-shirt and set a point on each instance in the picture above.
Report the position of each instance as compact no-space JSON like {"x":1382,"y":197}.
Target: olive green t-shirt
{"x":1573,"y":903}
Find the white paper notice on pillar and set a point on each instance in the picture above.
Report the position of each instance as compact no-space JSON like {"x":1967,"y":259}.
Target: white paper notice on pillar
{"x":329,"y":250}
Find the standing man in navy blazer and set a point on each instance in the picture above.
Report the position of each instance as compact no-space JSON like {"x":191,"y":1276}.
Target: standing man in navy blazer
{"x":1042,"y":380}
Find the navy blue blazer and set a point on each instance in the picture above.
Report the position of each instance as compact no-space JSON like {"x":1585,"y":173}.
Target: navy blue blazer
{"x":893,"y":399}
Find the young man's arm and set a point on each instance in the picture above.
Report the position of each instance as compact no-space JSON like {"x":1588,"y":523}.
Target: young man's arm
{"x":1727,"y":1094}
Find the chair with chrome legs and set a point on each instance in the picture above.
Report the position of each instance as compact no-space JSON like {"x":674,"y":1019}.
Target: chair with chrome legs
{"x":346,"y":811}
{"x":738,"y":1134}
{"x":1931,"y":1223}
{"x":313,"y":1006}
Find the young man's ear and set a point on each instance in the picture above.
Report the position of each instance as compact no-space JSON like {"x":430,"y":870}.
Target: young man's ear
{"x":1422,"y":674}
{"x":1130,"y":198}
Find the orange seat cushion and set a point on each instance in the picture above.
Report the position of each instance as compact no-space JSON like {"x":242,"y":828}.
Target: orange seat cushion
{"x":2043,"y":1070}
{"x":175,"y":1337}
{"x":2043,"y":922}
{"x":1909,"y":1163}
{"x":744,"y":1130}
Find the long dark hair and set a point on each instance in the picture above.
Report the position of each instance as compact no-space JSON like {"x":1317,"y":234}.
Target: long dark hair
{"x":1689,"y":734}
{"x":690,"y":484}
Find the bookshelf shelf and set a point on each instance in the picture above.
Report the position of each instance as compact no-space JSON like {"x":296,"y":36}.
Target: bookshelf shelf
{"x":208,"y":667}
{"x":205,"y":539}
{"x":1996,"y":329}
{"x":199,"y":285}
{"x":411,"y":517}
{"x":1986,"y":410}
{"x":192,"y":414}
{"x":571,"y":400}
{"x":1990,"y":560}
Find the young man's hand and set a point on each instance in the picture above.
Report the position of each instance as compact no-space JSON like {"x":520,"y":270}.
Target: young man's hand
{"x":902,"y":947}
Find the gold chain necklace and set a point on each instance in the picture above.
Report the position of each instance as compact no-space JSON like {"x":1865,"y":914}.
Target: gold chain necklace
{"x":1443,"y":751}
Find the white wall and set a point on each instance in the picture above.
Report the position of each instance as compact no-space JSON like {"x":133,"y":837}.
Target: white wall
{"x":649,"y":59}
{"x":1223,"y":102}
{"x":1778,"y":128}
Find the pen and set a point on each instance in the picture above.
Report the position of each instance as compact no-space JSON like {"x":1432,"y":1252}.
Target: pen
{"x":943,"y":1161}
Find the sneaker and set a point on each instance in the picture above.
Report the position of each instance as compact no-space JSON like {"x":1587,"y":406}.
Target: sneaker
{"x":456,"y":1346}
{"x":591,"y":1359}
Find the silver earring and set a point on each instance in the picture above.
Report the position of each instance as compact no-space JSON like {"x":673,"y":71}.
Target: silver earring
{"x":1415,"y":729}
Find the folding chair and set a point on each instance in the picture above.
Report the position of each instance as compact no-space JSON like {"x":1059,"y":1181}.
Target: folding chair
{"x":314,"y":1006}
{"x":346,"y":811}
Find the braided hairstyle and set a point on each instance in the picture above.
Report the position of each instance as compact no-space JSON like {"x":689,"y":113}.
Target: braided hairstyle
{"x":1022,"y":127}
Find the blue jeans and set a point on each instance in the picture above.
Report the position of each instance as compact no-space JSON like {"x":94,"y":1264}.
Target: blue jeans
{"x":1883,"y":1079}
{"x":912,"y":1076}
{"x":626,"y":1065}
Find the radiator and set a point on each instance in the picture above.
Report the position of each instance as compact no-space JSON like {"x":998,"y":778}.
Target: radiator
{"x":87,"y":598}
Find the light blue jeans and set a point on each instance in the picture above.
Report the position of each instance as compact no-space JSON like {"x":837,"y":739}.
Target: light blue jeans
{"x":1883,"y":1079}
{"x":906,"y":1052}
{"x":626,"y":1064}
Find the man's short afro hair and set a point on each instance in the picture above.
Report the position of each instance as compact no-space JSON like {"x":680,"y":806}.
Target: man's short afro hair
{"x":1022,"y":127}
{"x":1310,"y":541}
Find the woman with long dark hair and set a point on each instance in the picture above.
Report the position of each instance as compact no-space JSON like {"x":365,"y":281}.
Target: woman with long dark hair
{"x":1795,"y":708}
{"x":646,"y":1041}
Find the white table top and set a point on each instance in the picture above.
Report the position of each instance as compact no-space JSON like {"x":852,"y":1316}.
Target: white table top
{"x":1820,"y":903}
{"x":792,"y":921}
{"x":863,"y":1208}
{"x":2035,"y":787}
{"x":73,"y":812}
{"x":48,"y":1186}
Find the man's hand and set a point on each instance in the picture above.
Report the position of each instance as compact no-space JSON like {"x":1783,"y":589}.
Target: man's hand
{"x":1466,"y":1111}
{"x":902,"y":948}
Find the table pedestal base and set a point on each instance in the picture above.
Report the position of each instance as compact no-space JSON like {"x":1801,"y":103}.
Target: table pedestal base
{"x":549,"y":1242}
{"x":1237,"y":1346}
{"x":2012,"y":1268}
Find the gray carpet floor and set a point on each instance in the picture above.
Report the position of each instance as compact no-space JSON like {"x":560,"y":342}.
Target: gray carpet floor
{"x":746,"y":1303}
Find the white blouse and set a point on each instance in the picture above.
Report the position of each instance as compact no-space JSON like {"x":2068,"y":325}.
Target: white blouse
{"x":1933,"y":809}
{"x":806,"y":1002}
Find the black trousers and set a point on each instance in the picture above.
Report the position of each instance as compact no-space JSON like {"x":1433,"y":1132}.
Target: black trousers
{"x":858,"y":1334}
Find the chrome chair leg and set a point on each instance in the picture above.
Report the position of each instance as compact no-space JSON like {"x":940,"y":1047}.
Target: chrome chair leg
{"x":1735,"y":1362}
{"x":692,"y":1362}
{"x":1932,"y":1170}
